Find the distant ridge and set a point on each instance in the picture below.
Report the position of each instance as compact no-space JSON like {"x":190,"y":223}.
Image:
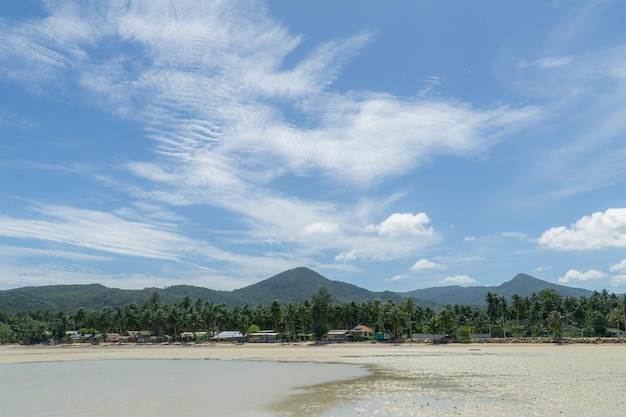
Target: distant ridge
{"x":300,"y":283}
{"x":293,"y":285}
{"x":521,"y":284}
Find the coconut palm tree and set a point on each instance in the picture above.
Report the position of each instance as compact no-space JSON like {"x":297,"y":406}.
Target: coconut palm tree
{"x":276,"y":311}
{"x":409,"y":308}
{"x":445,"y":319}
{"x":555,"y":324}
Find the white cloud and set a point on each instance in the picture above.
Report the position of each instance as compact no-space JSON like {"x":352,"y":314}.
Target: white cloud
{"x":236,"y":55}
{"x":320,"y":228}
{"x":548,"y":62}
{"x":516,"y":235}
{"x":347,"y":256}
{"x":111,"y":234}
{"x":598,"y":231}
{"x":399,"y":277}
{"x":542,"y":268}
{"x":95,"y":230}
{"x":364,"y":140}
{"x":458,"y":280}
{"x":209,"y":83}
{"x":469,"y":238}
{"x":22,"y":252}
{"x":578,"y":276}
{"x":618,"y":280}
{"x":404,"y":224}
{"x":424,"y":264}
{"x":621,"y":266}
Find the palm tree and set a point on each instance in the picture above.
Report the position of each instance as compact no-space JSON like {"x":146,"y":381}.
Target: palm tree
{"x":409,"y":308}
{"x":289,"y":313}
{"x":393,"y":315}
{"x":79,"y":318}
{"x":445,"y":319}
{"x":222,"y":315}
{"x":242,"y":319}
{"x":275,"y":310}
{"x":492,"y":307}
{"x":615,"y":316}
{"x":321,"y":311}
{"x":304,"y":314}
{"x":207,"y":311}
{"x":119,"y":318}
{"x":555,"y":324}
{"x":159,"y":318}
{"x":503,"y":310}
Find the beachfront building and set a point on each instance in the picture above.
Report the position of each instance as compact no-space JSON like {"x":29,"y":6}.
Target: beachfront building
{"x":432,"y":337}
{"x":228,"y":336}
{"x":192,"y":336}
{"x":361,"y":332}
{"x":139,"y":336}
{"x":86,"y":338}
{"x":113,"y":337}
{"x":616,"y":332}
{"x":264,"y":336}
{"x":336,"y":336}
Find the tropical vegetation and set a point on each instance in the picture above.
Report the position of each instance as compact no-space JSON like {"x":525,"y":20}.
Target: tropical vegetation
{"x":545,"y":313}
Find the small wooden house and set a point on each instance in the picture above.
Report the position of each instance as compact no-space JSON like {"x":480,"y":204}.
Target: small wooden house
{"x":362,"y":332}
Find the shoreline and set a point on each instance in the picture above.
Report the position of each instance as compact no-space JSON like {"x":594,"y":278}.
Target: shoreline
{"x":504,"y":379}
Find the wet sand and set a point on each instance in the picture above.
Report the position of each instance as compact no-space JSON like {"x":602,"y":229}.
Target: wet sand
{"x":413,"y":380}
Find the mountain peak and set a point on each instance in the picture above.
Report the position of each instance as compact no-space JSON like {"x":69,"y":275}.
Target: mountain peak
{"x":521,"y":277}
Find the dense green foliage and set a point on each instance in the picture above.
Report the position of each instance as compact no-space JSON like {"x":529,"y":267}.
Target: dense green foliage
{"x":294,"y":285}
{"x":521,"y":284}
{"x":545,"y":313}
{"x":290,"y":286}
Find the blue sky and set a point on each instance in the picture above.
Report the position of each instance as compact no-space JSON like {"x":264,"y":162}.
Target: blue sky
{"x":394,"y":146}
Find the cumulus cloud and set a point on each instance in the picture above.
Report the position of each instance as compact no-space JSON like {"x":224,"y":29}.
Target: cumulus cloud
{"x":598,"y":231}
{"x":403,"y":225}
{"x":458,"y":280}
{"x":574,"y":275}
{"x":620,"y":267}
{"x":424,"y":264}
{"x":618,"y":280}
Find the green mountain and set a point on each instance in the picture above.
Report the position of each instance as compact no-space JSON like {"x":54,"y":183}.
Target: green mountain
{"x":521,"y":284}
{"x":71,"y":297}
{"x":294,"y":285}
{"x":299,"y":284}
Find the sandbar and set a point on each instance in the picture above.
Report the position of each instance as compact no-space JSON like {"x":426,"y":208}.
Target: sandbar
{"x":413,"y":380}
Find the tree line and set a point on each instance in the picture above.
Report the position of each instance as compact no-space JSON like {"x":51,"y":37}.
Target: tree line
{"x":545,"y":313}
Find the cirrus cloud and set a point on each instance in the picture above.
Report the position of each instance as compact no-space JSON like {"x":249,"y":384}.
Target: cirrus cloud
{"x":320,"y":228}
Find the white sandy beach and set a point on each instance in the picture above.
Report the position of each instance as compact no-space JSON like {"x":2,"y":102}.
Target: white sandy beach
{"x":413,"y":380}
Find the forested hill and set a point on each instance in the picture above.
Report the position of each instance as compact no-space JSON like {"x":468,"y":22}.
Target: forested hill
{"x":300,"y":283}
{"x":522,"y":284}
{"x":294,"y":285}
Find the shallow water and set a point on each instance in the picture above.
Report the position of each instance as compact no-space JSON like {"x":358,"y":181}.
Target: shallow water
{"x":193,"y":388}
